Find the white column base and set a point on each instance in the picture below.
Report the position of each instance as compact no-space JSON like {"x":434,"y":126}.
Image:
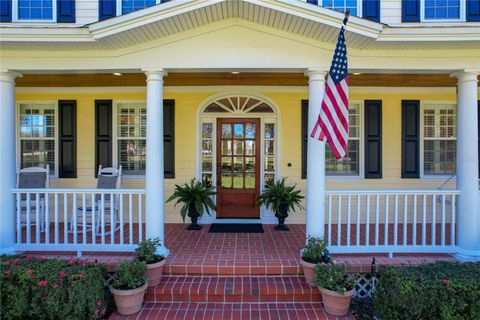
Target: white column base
{"x":7,"y":251}
{"x":468,"y":255}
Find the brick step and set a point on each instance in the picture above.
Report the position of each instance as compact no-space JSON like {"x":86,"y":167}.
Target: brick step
{"x":237,"y":269}
{"x":233,"y":289}
{"x":230,"y":311}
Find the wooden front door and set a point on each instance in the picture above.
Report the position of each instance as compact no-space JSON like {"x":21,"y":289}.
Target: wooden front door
{"x":238,"y":168}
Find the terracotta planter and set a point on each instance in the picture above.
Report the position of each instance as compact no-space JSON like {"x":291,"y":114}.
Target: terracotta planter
{"x":308,"y":271}
{"x":129,"y":301}
{"x":335,"y":303}
{"x":154,"y":273}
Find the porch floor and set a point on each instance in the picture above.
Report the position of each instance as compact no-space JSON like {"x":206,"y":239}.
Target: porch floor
{"x":269,"y":253}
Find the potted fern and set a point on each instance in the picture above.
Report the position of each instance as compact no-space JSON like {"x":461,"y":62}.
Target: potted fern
{"x":281,"y":199}
{"x":154,"y":262}
{"x":196,"y":199}
{"x":129,"y":286}
{"x":337,"y":287}
{"x":314,"y":252}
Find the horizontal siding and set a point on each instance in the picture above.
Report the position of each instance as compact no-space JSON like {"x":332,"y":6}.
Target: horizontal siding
{"x":391,"y":11}
{"x":86,"y":11}
{"x":186,"y":104}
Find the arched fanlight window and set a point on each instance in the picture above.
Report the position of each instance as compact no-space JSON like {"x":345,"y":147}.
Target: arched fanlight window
{"x":238,"y":105}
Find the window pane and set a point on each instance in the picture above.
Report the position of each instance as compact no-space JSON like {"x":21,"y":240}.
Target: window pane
{"x":442,"y":9}
{"x":132,"y":156}
{"x":207,"y":129}
{"x":250,"y":131}
{"x":250,"y":148}
{"x":226,"y":147}
{"x":226,"y":130}
{"x":238,"y":130}
{"x":238,"y":147}
{"x":226,"y":180}
{"x":341,"y":5}
{"x":35,"y":10}
{"x":134,"y":5}
{"x":206,"y":164}
{"x":207,"y":147}
{"x":238,"y":181}
{"x":250,"y":181}
{"x":269,"y":131}
{"x":131,"y":120}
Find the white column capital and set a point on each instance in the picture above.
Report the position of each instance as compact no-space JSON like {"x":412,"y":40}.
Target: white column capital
{"x":316,"y":74}
{"x":465,"y":76}
{"x":9,"y":75}
{"x":155,"y":74}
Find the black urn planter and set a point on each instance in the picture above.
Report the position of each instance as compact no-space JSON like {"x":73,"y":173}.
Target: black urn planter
{"x":194,"y":215}
{"x":281,"y":216}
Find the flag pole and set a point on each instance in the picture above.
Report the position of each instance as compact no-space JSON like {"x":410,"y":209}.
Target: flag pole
{"x":347,"y":15}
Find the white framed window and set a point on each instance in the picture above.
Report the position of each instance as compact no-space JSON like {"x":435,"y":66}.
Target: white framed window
{"x":351,"y":165}
{"x":439,"y":138}
{"x":127,"y":6}
{"x":37,"y":133}
{"x":355,"y":6}
{"x":130,"y":137}
{"x":34,"y":10}
{"x":442,"y":10}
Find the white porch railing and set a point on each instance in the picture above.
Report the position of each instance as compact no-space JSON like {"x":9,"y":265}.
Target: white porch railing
{"x":393,"y":221}
{"x":79,"y":219}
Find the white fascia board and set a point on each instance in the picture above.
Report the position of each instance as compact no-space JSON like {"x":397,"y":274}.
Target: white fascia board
{"x":322,"y":15}
{"x":431,"y":34}
{"x":146,"y":16}
{"x":45,"y":35}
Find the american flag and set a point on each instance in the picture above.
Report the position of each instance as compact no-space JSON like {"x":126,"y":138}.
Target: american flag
{"x":332,"y":122}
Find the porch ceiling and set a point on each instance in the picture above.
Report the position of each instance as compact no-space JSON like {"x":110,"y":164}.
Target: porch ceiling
{"x":227,"y":78}
{"x":292,"y":16}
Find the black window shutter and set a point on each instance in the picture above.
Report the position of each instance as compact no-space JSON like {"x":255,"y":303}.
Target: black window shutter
{"x":410,"y":10}
{"x":169,"y":138}
{"x":66,"y":11}
{"x":304,"y":137}
{"x":371,"y":10}
{"x":473,"y":10}
{"x":373,"y":139}
{"x":313,"y":1}
{"x":107,"y":9}
{"x":67,"y":167}
{"x":5,"y":10}
{"x":103,"y":134}
{"x":410,"y":138}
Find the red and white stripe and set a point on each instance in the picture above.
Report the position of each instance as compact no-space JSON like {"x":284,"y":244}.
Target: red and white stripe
{"x":332,"y":122}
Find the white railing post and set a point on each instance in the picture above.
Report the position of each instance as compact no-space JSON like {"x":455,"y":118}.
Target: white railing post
{"x":468,"y":221}
{"x":315,"y":224}
{"x":154,"y":183}
{"x":7,"y":160}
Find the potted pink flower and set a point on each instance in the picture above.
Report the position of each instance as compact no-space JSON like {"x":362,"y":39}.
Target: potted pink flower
{"x":129,"y":286}
{"x":155,"y":262}
{"x":314,"y":252}
{"x":337,"y":287}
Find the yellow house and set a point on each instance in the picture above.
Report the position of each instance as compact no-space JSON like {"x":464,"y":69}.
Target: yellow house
{"x":227,"y":92}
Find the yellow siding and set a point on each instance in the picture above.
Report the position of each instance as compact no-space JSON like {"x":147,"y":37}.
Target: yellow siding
{"x":186,"y":104}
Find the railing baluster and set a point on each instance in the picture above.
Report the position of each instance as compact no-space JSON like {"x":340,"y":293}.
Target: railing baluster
{"x":38,"y":219}
{"x":443,"y":220}
{"x":329,"y":220}
{"x":102,"y":216}
{"x":121,"y":218}
{"x":434,"y":217}
{"x":140,"y":235}
{"x":94,"y":220}
{"x":74,"y":219}
{"x":130,"y":218}
{"x":367,"y":227}
{"x":452,"y":222}
{"x":405,"y":218}
{"x":386,"y":220}
{"x":414,"y":222}
{"x":57,"y":227}
{"x":47,"y":217}
{"x":395,"y":220}
{"x":339,"y":220}
{"x":424,"y":220}
{"x":349,"y":207}
{"x":113,"y":223}
{"x":65,"y":218}
{"x":29,"y":212}
{"x":377,"y":204}
{"x":19,"y":218}
{"x":84,"y":218}
{"x":359,"y":202}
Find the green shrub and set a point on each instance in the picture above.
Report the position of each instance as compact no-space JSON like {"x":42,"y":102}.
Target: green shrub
{"x":32,"y":288}
{"x":146,"y":251}
{"x":315,"y":251}
{"x":334,"y":277}
{"x":443,"y":291}
{"x":130,"y":275}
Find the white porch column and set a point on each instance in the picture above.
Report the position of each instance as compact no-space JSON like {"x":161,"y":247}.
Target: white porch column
{"x":154,"y":184}
{"x":315,"y":158}
{"x":7,"y":160}
{"x":468,"y":223}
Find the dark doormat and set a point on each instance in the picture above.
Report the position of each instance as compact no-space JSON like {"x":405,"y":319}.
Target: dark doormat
{"x":236,"y":228}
